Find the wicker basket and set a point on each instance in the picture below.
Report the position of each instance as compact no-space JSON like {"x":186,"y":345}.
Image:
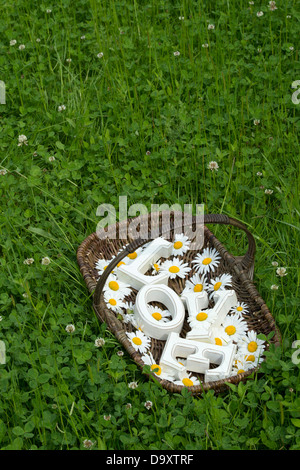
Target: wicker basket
{"x":241,"y":268}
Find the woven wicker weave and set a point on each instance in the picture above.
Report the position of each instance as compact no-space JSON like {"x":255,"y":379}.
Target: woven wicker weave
{"x":241,"y":268}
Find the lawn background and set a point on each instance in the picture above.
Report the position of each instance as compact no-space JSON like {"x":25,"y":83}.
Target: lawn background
{"x":142,"y":122}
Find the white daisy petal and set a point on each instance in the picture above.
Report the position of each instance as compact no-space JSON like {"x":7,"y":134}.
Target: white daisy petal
{"x":139,"y":341}
{"x":175,"y":267}
{"x":207,"y":261}
{"x":181,"y":244}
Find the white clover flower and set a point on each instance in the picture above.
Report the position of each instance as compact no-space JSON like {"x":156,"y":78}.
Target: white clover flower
{"x":213,"y":166}
{"x":133,"y":385}
{"x":70,"y":328}
{"x":259,"y":14}
{"x":148,"y":404}
{"x":22,"y":47}
{"x":99,"y":342}
{"x":272,"y":5}
{"x":181,"y":18}
{"x":45,"y":261}
{"x":61,"y":108}
{"x":281,"y":272}
{"x":100,"y":55}
{"x":176,"y":53}
{"x":87,"y":443}
{"x":275,"y":264}
{"x":3,"y":172}
{"x":38,"y":40}
{"x":28,"y":261}
{"x":259,"y":173}
{"x":268,"y":191}
{"x":48,"y":11}
{"x":205,"y":45}
{"x":82,"y":37}
{"x":107,"y":417}
{"x":69,"y":60}
{"x":274,"y":287}
{"x":22,"y":140}
{"x":211,"y":26}
{"x":256,"y":122}
{"x":51,"y":159}
{"x":13,"y":42}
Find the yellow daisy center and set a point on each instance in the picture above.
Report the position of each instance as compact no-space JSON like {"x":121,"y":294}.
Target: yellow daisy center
{"x":157,"y":316}
{"x":178,"y":245}
{"x":239,"y":309}
{"x":119,"y":264}
{"x":112,"y":302}
{"x":180,"y":363}
{"x":105,"y":267}
{"x":218,"y":341}
{"x":137,"y":341}
{"x":113,"y":285}
{"x":230,"y":330}
{"x":250,"y":358}
{"x":174,"y":269}
{"x":187,"y":382}
{"x":207,"y":261}
{"x":252,"y":346}
{"x":132,"y":255}
{"x":240,"y":371}
{"x":217,"y":285}
{"x":157,"y":369}
{"x":201,"y":316}
{"x":198,"y":288}
{"x":156,"y":267}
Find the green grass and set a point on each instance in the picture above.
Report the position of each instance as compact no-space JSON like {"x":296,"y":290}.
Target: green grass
{"x":185,"y":110}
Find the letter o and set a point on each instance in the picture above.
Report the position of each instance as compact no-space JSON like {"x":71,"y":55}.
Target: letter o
{"x":168,"y":297}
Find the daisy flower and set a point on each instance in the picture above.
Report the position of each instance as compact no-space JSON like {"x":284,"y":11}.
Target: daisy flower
{"x":114,"y":285}
{"x":139,"y":341}
{"x":235,"y":327}
{"x":158,"y":314}
{"x":155,"y":267}
{"x":253,"y":359}
{"x":175,"y":268}
{"x":240,"y":309}
{"x":240,"y":365}
{"x":113,"y":301}
{"x":250,"y":344}
{"x":157,"y":369}
{"x":180,"y":245}
{"x":219,"y":283}
{"x":220,"y":337}
{"x":196,"y":284}
{"x":101,"y":265}
{"x":202,"y":319}
{"x":207,"y":261}
{"x":187,"y":379}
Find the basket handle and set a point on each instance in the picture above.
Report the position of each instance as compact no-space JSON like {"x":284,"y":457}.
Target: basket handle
{"x":246,"y":262}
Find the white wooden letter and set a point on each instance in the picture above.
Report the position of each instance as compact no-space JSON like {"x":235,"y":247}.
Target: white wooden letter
{"x":134,"y":273}
{"x":199,"y":356}
{"x":169,"y":298}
